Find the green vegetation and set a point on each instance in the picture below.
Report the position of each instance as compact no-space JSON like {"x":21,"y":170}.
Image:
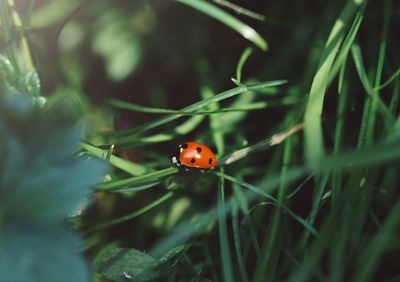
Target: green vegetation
{"x":299,"y":101}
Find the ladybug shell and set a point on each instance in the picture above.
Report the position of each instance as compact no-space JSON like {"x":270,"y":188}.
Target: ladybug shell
{"x":194,"y":155}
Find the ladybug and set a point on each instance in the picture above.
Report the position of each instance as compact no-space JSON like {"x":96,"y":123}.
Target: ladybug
{"x":195,"y":155}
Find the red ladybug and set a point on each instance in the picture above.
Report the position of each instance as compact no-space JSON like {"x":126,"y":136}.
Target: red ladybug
{"x":194,"y":155}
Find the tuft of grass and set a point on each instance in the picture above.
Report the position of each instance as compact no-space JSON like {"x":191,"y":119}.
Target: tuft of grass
{"x":278,"y":207}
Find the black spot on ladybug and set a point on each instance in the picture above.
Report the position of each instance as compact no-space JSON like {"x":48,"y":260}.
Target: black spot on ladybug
{"x":198,"y":149}
{"x":192,"y":160}
{"x":210,"y":160}
{"x":184,"y":146}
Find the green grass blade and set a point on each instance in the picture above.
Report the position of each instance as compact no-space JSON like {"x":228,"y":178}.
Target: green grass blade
{"x":394,"y":102}
{"x":125,"y":183}
{"x":307,"y":267}
{"x":127,"y":166}
{"x":378,"y":76}
{"x":314,"y":144}
{"x":137,"y":108}
{"x":246,"y":31}
{"x":371,"y":156}
{"x":347,"y":43}
{"x":239,"y":69}
{"x":215,"y":124}
{"x":378,"y":245}
{"x":204,"y":103}
{"x":190,"y":228}
{"x":223,"y":234}
{"x":316,"y":205}
{"x":153,"y":204}
{"x":263,"y":193}
{"x":238,"y":247}
{"x":271,"y":252}
{"x":218,"y":137}
{"x":358,"y":61}
{"x":240,"y":10}
{"x":389,"y":81}
{"x":338,"y":141}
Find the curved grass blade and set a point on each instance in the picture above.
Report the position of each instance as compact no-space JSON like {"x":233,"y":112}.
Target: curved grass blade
{"x":127,"y":182}
{"x":345,"y":48}
{"x":358,"y":61}
{"x":129,"y":216}
{"x":390,"y":80}
{"x":213,"y":11}
{"x":243,"y":58}
{"x":314,"y":144}
{"x":263,"y":193}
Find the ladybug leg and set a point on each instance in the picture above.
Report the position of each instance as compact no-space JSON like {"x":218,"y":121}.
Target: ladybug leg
{"x":186,"y":169}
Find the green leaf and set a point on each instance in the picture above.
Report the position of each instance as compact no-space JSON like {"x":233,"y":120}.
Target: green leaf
{"x":40,"y":147}
{"x":122,"y":264}
{"x":42,"y":181}
{"x":40,"y":253}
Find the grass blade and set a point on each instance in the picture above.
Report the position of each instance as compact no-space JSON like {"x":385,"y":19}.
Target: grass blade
{"x":246,"y":31}
{"x":271,"y":252}
{"x":238,"y":247}
{"x":240,"y":10}
{"x":358,"y":61}
{"x":126,"y":182}
{"x":378,"y":245}
{"x":314,"y":144}
{"x":243,"y":58}
{"x":204,"y":103}
{"x":127,"y":166}
{"x":153,"y":204}
{"x":190,"y":228}
{"x":223,"y":234}
{"x":137,"y":108}
{"x":390,"y":80}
